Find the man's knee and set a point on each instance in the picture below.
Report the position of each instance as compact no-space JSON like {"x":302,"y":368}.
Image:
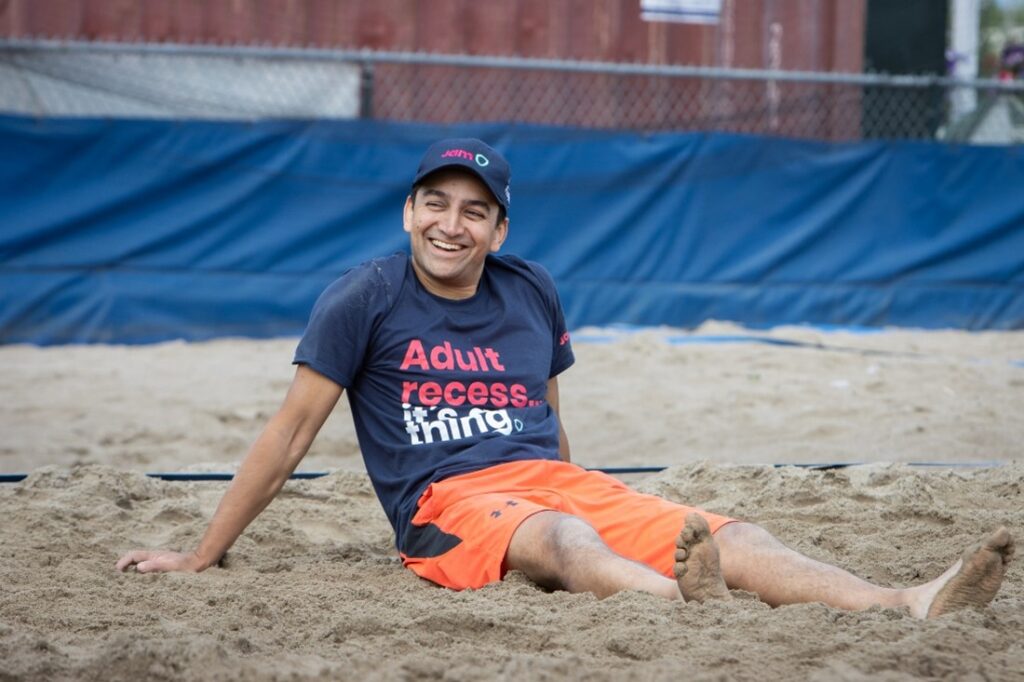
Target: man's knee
{"x":547,"y":542}
{"x":562,"y":535}
{"x":740,"y":534}
{"x":570,"y":535}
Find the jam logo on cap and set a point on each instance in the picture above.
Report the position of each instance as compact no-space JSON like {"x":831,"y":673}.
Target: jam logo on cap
{"x":479,"y":159}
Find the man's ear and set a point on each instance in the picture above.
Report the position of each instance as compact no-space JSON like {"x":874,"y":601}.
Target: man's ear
{"x":500,"y":234}
{"x":407,"y":215}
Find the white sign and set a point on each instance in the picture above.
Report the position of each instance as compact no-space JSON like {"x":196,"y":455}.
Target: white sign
{"x":684,"y":11}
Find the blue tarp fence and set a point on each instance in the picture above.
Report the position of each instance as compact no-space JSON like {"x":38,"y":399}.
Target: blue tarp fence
{"x":133,"y":231}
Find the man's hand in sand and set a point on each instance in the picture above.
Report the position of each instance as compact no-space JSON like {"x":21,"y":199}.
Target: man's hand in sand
{"x":160,"y":561}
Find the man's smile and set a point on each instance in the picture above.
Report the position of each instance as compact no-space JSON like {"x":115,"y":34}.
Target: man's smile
{"x":446,"y":246}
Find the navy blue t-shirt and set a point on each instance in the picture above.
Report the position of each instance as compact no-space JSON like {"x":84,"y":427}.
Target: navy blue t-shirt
{"x":440,"y":387}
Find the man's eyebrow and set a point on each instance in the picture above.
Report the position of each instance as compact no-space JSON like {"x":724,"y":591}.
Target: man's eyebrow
{"x":435,"y":192}
{"x":482,"y":204}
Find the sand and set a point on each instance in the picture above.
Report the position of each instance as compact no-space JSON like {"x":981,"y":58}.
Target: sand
{"x":314,"y":590}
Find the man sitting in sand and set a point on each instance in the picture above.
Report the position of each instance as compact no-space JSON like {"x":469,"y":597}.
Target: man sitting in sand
{"x":451,"y":358}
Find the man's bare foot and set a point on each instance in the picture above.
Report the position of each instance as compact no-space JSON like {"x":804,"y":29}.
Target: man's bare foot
{"x":971,"y":582}
{"x":697,"y":569}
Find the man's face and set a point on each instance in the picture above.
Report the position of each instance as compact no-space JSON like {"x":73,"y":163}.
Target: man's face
{"x":452,"y":226}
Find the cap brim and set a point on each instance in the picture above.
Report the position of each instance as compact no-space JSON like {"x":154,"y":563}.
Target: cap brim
{"x":495,"y":191}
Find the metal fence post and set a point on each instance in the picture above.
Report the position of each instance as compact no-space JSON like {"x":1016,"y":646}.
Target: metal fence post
{"x":366,"y":90}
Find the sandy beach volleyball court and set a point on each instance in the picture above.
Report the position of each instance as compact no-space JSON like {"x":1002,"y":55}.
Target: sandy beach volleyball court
{"x":314,"y":590}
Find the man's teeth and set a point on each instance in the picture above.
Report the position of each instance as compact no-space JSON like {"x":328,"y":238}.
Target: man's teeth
{"x":445,"y":245}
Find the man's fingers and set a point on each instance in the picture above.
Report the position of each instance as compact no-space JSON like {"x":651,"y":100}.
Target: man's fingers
{"x":131,"y":558}
{"x":155,"y":562}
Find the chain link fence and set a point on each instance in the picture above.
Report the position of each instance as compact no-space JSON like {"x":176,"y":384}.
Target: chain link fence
{"x":41,"y":78}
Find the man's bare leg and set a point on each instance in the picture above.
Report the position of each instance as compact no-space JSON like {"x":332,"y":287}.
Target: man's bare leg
{"x":753,"y":560}
{"x":561,"y":551}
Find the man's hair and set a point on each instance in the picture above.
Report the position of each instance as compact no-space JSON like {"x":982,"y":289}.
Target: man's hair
{"x":501,"y":209}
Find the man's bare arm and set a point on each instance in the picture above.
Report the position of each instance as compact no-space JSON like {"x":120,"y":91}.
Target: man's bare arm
{"x":552,"y":398}
{"x":271,"y":460}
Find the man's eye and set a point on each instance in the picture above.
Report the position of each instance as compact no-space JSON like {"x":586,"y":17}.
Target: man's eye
{"x":476,"y":215}
{"x":435,"y":204}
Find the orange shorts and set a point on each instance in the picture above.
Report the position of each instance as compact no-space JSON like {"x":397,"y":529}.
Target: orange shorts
{"x":470,"y":519}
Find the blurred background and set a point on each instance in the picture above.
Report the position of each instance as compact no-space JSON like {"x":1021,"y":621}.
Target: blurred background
{"x":189,"y":169}
{"x":819,"y":69}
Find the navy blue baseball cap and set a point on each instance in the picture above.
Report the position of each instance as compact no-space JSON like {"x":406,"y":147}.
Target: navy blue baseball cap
{"x":473,"y":155}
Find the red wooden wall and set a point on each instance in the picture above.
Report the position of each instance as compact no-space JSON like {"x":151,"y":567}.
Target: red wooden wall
{"x":817,"y":35}
{"x":809,"y":35}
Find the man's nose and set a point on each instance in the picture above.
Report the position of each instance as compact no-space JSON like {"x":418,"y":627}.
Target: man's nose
{"x":451,"y":223}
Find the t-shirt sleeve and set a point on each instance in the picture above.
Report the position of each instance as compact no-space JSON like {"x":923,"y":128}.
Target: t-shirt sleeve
{"x":341,"y":325}
{"x":562,"y":356}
